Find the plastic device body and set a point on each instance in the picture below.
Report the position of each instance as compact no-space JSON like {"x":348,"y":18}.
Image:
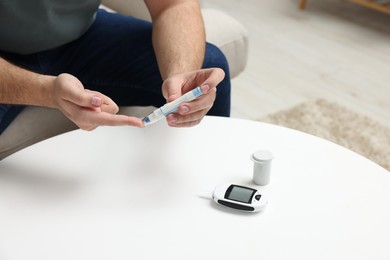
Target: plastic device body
{"x":172,"y":106}
{"x":239,"y":197}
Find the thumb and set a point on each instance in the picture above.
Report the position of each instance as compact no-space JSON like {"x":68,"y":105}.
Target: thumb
{"x":85,"y":98}
{"x":171,"y":91}
{"x":96,"y":101}
{"x":213,"y":76}
{"x":72,"y":90}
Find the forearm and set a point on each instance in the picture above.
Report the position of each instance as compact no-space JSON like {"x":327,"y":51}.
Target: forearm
{"x":179,"y":38}
{"x":23,"y":87}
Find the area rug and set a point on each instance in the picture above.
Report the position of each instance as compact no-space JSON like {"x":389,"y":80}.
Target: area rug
{"x":340,"y":125}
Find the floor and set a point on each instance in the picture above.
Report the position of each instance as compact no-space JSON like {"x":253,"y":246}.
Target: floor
{"x":334,"y":50}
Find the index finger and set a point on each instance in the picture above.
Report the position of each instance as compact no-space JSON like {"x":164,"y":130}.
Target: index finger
{"x":107,"y":119}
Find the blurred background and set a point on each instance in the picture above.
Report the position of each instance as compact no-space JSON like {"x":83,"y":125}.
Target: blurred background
{"x":333,"y":49}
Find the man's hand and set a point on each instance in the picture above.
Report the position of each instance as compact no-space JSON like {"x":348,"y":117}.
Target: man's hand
{"x":191,"y":113}
{"x":87,"y":109}
{"x":179,"y":42}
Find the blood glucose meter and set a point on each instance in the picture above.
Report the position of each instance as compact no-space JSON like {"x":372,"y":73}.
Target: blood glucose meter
{"x":239,"y":197}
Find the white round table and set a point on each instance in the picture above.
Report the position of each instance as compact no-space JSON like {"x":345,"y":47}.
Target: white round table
{"x":126,"y":193}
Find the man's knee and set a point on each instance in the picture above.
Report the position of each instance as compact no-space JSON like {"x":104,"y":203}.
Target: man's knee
{"x":214,"y":58}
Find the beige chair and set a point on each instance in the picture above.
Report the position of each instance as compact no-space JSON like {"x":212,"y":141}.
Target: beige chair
{"x":35,"y":124}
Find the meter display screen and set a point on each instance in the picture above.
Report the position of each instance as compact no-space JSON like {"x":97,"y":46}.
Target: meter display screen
{"x":239,"y":193}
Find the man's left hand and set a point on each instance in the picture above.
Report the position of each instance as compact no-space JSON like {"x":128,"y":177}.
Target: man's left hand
{"x":191,"y":113}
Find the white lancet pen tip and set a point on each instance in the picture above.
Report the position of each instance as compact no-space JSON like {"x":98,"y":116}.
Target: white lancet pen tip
{"x":146,"y":121}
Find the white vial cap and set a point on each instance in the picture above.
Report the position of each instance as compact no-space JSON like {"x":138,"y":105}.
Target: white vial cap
{"x":262,"y":156}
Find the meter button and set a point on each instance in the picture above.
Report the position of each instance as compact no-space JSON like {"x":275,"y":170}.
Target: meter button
{"x":257,"y":197}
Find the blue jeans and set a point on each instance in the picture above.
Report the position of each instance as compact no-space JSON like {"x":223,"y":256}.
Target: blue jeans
{"x":115,"y":57}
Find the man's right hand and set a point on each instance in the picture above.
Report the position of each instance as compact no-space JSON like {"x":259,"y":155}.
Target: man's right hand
{"x":87,"y":109}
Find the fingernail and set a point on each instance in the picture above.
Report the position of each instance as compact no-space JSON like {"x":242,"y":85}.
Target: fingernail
{"x":96,"y":101}
{"x":172,"y":121}
{"x":185,"y":109}
{"x":205,"y":88}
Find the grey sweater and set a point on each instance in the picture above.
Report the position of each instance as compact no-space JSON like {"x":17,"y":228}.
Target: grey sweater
{"x":29,"y":26}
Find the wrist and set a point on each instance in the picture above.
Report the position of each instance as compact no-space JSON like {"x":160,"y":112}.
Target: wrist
{"x":45,"y":91}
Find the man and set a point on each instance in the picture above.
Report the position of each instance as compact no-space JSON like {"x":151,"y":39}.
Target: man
{"x":86,"y":62}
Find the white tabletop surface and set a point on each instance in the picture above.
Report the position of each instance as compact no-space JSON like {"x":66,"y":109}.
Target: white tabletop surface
{"x":125,"y":193}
